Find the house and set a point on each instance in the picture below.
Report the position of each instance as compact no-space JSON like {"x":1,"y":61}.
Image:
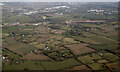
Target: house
{"x":3,"y":57}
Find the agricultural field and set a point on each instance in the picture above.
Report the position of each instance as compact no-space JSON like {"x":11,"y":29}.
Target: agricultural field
{"x":96,"y":66}
{"x":60,"y":36}
{"x":10,"y":54}
{"x":33,"y":56}
{"x":60,"y":65}
{"x":19,"y":48}
{"x":81,"y":68}
{"x":44,"y":65}
{"x":110,"y":57}
{"x":86,"y":59}
{"x":79,"y":49}
{"x":113,"y":66}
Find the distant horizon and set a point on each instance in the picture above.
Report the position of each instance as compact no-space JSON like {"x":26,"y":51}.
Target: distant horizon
{"x":60,"y":0}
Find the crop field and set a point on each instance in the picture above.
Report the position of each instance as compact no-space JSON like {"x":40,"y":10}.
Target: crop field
{"x":81,"y":68}
{"x":103,"y":40}
{"x":41,"y":40}
{"x":10,"y":54}
{"x":32,"y":65}
{"x":33,"y":56}
{"x":96,"y":56}
{"x":42,"y":29}
{"x":11,"y":40}
{"x":113,"y":66}
{"x":69,"y":40}
{"x":40,"y":46}
{"x":86,"y":59}
{"x":60,"y":55}
{"x":96,"y":66}
{"x":45,"y":65}
{"x":21,"y":48}
{"x":110,"y":57}
{"x":102,"y":61}
{"x":59,"y":32}
{"x":104,"y":46}
{"x":87,"y":40}
{"x":60,"y":65}
{"x":78,"y":49}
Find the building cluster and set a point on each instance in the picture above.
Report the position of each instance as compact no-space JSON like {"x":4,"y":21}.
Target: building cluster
{"x":57,"y":7}
{"x":95,"y":10}
{"x":30,"y":12}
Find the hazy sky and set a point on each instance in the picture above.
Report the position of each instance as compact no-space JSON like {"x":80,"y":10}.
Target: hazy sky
{"x":60,"y":0}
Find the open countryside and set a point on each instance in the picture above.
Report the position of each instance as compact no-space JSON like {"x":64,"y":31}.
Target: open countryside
{"x":60,"y":36}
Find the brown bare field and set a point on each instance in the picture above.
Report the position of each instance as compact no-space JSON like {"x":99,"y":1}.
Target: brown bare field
{"x":113,"y":66}
{"x":33,"y":56}
{"x":82,"y":67}
{"x":78,"y":49}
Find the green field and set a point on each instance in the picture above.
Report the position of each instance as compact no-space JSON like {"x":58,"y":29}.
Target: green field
{"x":60,"y":65}
{"x":10,"y":54}
{"x":30,"y":65}
{"x":44,"y":65}
{"x":10,"y":29}
{"x":18,"y":47}
{"x":110,"y":57}
{"x":102,"y":39}
{"x":96,"y":56}
{"x":104,"y":46}
{"x":86,"y":59}
{"x":97,"y":66}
